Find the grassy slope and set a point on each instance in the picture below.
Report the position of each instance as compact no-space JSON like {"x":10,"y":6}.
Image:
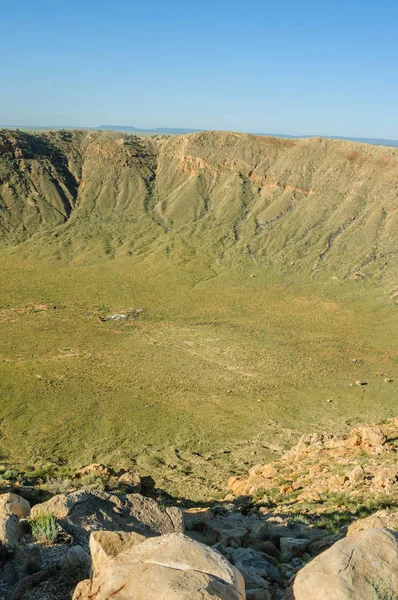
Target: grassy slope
{"x":222,"y":367}
{"x":211,"y":362}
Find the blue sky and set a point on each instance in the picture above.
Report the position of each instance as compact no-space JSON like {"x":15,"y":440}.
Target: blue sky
{"x":283,"y":66}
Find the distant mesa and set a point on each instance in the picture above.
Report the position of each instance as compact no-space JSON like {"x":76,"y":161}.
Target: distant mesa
{"x":186,"y":130}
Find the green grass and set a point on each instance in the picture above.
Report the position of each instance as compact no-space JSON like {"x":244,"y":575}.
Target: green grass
{"x":338,"y":510}
{"x":44,"y":528}
{"x":219,"y":365}
{"x":240,"y":249}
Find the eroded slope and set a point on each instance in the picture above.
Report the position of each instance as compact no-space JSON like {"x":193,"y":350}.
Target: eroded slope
{"x":302,"y":205}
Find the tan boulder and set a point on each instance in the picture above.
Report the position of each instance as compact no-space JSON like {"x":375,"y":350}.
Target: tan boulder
{"x":60,"y":505}
{"x":372,"y":436}
{"x":269,"y":472}
{"x":256,"y":470}
{"x":354,"y":439}
{"x":246,"y":487}
{"x":12,"y":504}
{"x":383,"y":519}
{"x":356,"y":475}
{"x":308,"y":443}
{"x":237,"y":485}
{"x":309,"y":496}
{"x":259,"y":485}
{"x":108,"y":544}
{"x":10,"y":530}
{"x":196,"y":514}
{"x":170,"y":567}
{"x":352,"y":569}
{"x":94,"y":469}
{"x":130,"y":482}
{"x":386,"y":477}
{"x":369,"y":437}
{"x":82,"y":590}
{"x":336,"y":482}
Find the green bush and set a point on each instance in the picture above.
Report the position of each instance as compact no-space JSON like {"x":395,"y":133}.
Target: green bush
{"x":10,"y":475}
{"x":44,"y":528}
{"x":59,"y":485}
{"x":382,"y":589}
{"x":92,"y":481}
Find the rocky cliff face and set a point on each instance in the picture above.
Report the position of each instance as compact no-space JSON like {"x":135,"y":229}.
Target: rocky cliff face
{"x":306,"y":204}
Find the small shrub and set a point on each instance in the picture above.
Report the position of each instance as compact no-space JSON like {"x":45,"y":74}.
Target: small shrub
{"x":38,"y":475}
{"x":59,"y":485}
{"x":44,"y":528}
{"x":299,"y":519}
{"x":334,"y":522}
{"x":92,"y":481}
{"x":276,"y":496}
{"x":260,"y":493}
{"x":382,"y":589}
{"x":10,"y":475}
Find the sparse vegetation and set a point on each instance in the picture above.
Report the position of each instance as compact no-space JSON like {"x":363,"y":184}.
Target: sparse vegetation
{"x":44,"y":528}
{"x":10,"y":475}
{"x":59,"y":485}
{"x":383,"y":590}
{"x":212,"y":340}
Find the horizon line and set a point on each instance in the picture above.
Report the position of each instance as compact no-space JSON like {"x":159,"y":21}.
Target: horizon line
{"x":182,"y":130}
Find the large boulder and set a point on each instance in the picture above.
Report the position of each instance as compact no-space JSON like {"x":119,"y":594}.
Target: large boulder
{"x":368,"y":436}
{"x":355,"y":568}
{"x":108,"y":544}
{"x":82,"y":512}
{"x":10,"y":530}
{"x":12,"y":504}
{"x":171,"y":567}
{"x":383,"y":519}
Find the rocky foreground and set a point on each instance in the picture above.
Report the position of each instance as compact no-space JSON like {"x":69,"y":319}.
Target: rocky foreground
{"x":319,"y":523}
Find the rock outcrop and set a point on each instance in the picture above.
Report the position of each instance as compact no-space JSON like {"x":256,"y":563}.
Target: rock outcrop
{"x":82,"y":512}
{"x":12,"y":504}
{"x":383,"y":519}
{"x":12,"y":509}
{"x":125,"y":546}
{"x":171,"y":566}
{"x":10,"y":530}
{"x":362,"y":463}
{"x":361,"y":567}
